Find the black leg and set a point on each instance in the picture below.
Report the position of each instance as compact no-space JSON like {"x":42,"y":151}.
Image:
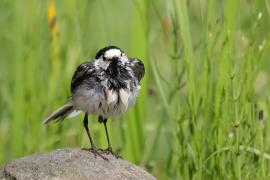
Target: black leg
{"x":109,"y":149}
{"x":108,"y":139}
{"x":85,"y":123}
{"x":93,"y":147}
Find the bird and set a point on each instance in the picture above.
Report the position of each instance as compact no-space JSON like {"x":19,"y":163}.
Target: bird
{"x":106,"y":86}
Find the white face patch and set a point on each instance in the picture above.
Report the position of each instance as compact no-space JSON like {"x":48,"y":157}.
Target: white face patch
{"x":124,"y":59}
{"x":101,"y":64}
{"x":112,"y":53}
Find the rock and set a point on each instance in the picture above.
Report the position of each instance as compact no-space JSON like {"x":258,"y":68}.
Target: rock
{"x":71,"y":163}
{"x":2,"y":175}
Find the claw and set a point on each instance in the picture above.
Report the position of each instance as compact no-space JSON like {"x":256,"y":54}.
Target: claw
{"x":96,"y":152}
{"x":110,"y":151}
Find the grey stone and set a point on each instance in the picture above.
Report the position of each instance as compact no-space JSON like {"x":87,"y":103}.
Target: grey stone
{"x":2,"y":175}
{"x":71,"y":163}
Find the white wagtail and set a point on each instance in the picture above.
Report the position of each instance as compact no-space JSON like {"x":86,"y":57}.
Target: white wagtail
{"x":106,"y":86}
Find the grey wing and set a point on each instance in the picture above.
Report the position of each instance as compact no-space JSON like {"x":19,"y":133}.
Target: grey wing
{"x":84,"y":71}
{"x":137,"y":68}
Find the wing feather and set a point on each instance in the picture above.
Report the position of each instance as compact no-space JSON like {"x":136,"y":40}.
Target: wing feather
{"x":137,"y":68}
{"x":83,"y":71}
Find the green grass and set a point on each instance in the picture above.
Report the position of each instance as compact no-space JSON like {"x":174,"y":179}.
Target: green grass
{"x":207,"y":79}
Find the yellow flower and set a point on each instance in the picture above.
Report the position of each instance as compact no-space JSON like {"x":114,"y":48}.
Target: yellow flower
{"x":51,"y":16}
{"x":54,"y":32}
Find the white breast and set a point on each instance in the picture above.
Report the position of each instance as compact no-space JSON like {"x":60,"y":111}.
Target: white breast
{"x":112,"y":104}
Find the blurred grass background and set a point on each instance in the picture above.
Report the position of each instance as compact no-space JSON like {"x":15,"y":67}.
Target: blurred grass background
{"x":203,"y":112}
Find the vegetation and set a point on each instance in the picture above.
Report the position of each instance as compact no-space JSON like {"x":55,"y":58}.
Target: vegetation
{"x":205,"y":101}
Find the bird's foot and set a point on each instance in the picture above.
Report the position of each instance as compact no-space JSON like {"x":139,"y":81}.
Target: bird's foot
{"x":110,"y":151}
{"x":96,"y":152}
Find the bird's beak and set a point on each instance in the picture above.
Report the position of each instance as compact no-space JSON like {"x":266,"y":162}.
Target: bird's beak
{"x":114,"y":59}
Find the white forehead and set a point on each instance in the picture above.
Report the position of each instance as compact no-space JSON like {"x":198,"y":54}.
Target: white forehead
{"x":112,"y":53}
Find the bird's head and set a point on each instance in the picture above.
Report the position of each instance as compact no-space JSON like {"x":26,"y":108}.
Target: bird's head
{"x":110,"y":55}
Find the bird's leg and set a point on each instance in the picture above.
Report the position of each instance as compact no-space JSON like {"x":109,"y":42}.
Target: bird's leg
{"x":93,"y":148}
{"x":107,"y":135}
{"x":85,"y":123}
{"x":109,"y":149}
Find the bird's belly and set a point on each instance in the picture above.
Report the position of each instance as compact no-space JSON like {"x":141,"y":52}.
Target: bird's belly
{"x":106,"y":103}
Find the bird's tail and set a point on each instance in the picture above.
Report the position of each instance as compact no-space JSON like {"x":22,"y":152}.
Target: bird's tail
{"x":60,"y":113}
